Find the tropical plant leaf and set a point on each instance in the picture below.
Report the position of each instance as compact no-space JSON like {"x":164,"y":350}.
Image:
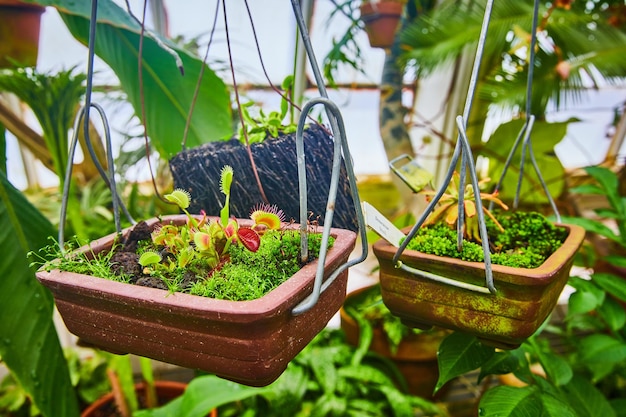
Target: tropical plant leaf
{"x":619,"y":406}
{"x":556,"y":367}
{"x":503,"y":363}
{"x":609,"y":182}
{"x":582,"y":302}
{"x":612,"y":284}
{"x":544,"y":137}
{"x":202,"y":395}
{"x":460,"y":353}
{"x":613,"y":314}
{"x":600,"y":353}
{"x":586,"y":399}
{"x":616,"y":260}
{"x":29,"y":344}
{"x":592,"y":226}
{"x":504,"y":401}
{"x":167,"y":94}
{"x":399,"y":403}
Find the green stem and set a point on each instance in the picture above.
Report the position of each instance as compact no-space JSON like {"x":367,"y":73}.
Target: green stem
{"x":3,"y":149}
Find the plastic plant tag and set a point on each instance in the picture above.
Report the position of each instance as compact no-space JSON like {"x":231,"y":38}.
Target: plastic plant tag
{"x":413,"y":175}
{"x":381,"y":225}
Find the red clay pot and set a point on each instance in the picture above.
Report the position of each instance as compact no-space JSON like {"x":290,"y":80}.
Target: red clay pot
{"x":249,"y":342}
{"x":523,"y":300}
{"x":105,"y":405}
{"x":19,"y":33}
{"x":381,"y":21}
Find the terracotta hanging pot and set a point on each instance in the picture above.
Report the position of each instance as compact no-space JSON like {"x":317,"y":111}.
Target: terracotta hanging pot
{"x":415,"y":356}
{"x":523,"y":300}
{"x":250,"y":342}
{"x":105,"y":406}
{"x":381,"y":20}
{"x":19,"y":33}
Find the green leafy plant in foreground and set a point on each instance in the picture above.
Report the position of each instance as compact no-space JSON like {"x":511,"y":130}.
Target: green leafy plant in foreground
{"x":369,"y":311}
{"x":583,"y":361}
{"x":329,"y":377}
{"x":610,"y":223}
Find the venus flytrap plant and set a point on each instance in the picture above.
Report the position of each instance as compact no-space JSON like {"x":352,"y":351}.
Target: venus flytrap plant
{"x":203,"y":242}
{"x":216,"y":257}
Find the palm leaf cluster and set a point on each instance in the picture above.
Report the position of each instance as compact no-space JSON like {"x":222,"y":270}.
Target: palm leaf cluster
{"x":580,"y":44}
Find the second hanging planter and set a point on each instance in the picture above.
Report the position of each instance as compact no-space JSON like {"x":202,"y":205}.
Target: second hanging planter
{"x":524,"y":297}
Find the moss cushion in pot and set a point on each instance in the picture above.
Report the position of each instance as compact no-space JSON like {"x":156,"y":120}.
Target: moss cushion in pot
{"x":250,"y":342}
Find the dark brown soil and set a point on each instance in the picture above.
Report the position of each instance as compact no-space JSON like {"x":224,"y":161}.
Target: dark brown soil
{"x":126,"y":261}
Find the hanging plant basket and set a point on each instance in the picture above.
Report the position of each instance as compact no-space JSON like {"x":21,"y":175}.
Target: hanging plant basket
{"x":197,"y":171}
{"x":250,"y":342}
{"x":381,"y":19}
{"x":524,"y":297}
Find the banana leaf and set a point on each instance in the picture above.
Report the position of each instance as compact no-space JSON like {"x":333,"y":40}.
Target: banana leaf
{"x":167,"y":93}
{"x":29,"y":344}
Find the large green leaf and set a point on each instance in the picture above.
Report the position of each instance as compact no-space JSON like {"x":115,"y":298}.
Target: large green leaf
{"x":29,"y":343}
{"x":530,"y":401}
{"x":167,"y":94}
{"x":601,"y":353}
{"x":613,"y":284}
{"x":544,"y":137}
{"x":586,"y":399}
{"x":201,"y":396}
{"x":460,"y":353}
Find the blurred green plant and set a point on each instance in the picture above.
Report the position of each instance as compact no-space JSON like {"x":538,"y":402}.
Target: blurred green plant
{"x":329,"y":377}
{"x":578,"y":43}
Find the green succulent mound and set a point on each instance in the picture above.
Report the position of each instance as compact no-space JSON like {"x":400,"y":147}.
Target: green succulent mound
{"x":527,"y":241}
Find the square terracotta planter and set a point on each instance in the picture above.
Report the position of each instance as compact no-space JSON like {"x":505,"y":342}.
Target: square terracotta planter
{"x":523,"y":300}
{"x":250,"y":342}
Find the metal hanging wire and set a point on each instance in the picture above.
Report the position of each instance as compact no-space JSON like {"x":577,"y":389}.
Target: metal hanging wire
{"x":83,"y":116}
{"x":524,"y":136}
{"x":462,"y":150}
{"x":341,"y":146}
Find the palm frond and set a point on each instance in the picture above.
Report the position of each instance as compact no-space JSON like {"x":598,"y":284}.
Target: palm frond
{"x":574,"y":47}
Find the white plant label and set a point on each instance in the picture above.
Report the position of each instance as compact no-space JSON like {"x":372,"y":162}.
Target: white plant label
{"x":381,"y":225}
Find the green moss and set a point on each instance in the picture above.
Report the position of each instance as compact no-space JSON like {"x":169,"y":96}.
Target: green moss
{"x":250,"y":275}
{"x":527,"y":241}
{"x":245,"y":276}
